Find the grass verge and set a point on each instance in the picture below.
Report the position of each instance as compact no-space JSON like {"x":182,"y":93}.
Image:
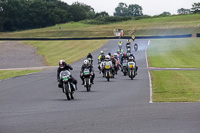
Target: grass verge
{"x":175,"y":53}
{"x":172,"y":25}
{"x":70,"y":51}
{"x":4,"y":74}
{"x":176,"y":86}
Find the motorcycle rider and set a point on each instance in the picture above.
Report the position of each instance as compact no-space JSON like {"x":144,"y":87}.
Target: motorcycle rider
{"x":87,"y":65}
{"x":100,"y":61}
{"x":132,"y":58}
{"x":114,"y":64}
{"x":124,"y":57}
{"x":119,"y":51}
{"x":128,"y":51}
{"x":90,"y":56}
{"x":107,"y":59}
{"x":135,"y":46}
{"x":62,"y":67}
{"x":99,"y":58}
{"x":133,"y":37}
{"x":116,"y":56}
{"x":117,"y":60}
{"x":120,"y":44}
{"x":128,"y":44}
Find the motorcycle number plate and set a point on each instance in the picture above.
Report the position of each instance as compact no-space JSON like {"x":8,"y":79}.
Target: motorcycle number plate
{"x":86,"y":71}
{"x":107,"y":66}
{"x":131,"y":66}
{"x":65,"y":78}
{"x":124,"y":64}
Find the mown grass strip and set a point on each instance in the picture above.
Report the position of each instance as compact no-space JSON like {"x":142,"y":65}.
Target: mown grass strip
{"x":5,"y":74}
{"x":176,"y":86}
{"x":175,"y":53}
{"x":70,"y":51}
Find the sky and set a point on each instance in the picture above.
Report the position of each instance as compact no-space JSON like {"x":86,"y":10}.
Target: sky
{"x":150,"y":7}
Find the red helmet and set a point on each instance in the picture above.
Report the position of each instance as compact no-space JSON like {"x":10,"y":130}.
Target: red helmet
{"x":61,"y":63}
{"x":124,"y":54}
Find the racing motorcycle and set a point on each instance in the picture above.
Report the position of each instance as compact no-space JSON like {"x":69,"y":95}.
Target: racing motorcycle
{"x":128,"y":45}
{"x":68,"y":87}
{"x":87,"y":79}
{"x":131,"y":70}
{"x":135,"y":47}
{"x":107,"y":71}
{"x":124,"y":67}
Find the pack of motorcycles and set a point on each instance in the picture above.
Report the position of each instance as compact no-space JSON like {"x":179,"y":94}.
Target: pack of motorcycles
{"x":106,"y":68}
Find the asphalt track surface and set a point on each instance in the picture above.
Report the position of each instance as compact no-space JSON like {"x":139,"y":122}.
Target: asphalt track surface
{"x":34,"y":104}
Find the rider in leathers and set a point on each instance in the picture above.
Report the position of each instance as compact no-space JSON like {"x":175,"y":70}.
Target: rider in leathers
{"x":88,"y":66}
{"x":90,"y":56}
{"x":107,"y":59}
{"x":131,"y":55}
{"x":62,"y":67}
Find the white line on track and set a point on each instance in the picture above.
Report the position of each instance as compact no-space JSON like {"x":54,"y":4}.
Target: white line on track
{"x":150,"y":83}
{"x":149,"y":42}
{"x":151,"y":90}
{"x":146,"y":59}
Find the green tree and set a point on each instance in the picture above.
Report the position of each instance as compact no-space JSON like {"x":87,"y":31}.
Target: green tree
{"x":132,"y":10}
{"x":88,"y":10}
{"x":77,"y":13}
{"x":135,"y":10}
{"x":183,"y":11}
{"x":164,"y":14}
{"x":102,"y":14}
{"x":196,"y":8}
{"x":121,"y":10}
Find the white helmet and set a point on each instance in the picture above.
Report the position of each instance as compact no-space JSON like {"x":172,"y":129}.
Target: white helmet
{"x":107,"y":57}
{"x":131,"y":58}
{"x":115,"y":54}
{"x":128,"y":50}
{"x":85,"y":62}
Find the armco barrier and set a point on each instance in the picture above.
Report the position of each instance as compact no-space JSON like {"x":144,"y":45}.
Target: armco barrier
{"x":198,"y":34}
{"x":98,"y":38}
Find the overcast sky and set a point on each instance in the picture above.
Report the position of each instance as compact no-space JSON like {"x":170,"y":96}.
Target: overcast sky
{"x":150,"y":7}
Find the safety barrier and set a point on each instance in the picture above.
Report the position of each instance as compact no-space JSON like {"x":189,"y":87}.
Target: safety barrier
{"x":99,"y":38}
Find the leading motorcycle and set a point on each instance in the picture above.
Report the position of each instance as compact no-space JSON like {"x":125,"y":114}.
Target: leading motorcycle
{"x":68,"y":87}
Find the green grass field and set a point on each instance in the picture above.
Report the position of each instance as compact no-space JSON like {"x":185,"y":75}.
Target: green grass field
{"x":4,"y":74}
{"x":176,"y":86}
{"x":70,"y":51}
{"x":175,"y":53}
{"x":182,"y":24}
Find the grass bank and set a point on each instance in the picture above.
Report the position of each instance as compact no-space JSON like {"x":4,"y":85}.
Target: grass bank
{"x":172,"y":25}
{"x":175,"y":53}
{"x":176,"y":86}
{"x":70,"y":51}
{"x":4,"y":74}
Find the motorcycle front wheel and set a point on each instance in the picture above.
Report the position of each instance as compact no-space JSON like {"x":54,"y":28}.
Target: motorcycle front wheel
{"x":67,"y":91}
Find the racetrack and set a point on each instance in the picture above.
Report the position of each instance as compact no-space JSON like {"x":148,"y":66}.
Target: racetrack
{"x":33,"y":103}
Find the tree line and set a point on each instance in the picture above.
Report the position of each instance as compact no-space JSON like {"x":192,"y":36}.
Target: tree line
{"x":30,"y":14}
